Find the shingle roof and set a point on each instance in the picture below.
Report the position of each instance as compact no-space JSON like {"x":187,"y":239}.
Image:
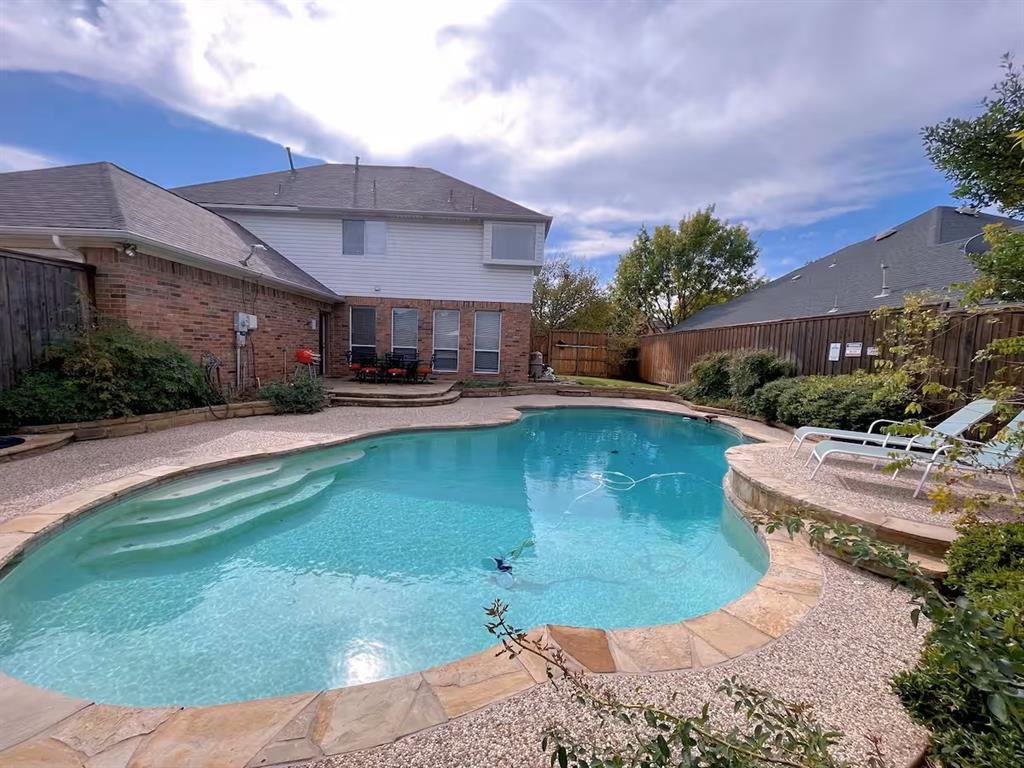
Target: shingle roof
{"x":104,"y":196}
{"x":923,"y":254}
{"x":344,"y":187}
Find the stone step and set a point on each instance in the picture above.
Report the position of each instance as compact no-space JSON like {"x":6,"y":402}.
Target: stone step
{"x":573,"y":392}
{"x":397,"y":402}
{"x":393,"y":392}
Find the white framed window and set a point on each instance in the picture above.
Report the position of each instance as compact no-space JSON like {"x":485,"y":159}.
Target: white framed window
{"x":515,"y":243}
{"x":446,"y":340}
{"x":360,"y":237}
{"x":487,"y":342}
{"x":362,"y":332}
{"x":405,"y":332}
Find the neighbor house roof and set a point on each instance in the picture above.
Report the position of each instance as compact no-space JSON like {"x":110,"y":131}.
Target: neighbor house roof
{"x":364,"y":188}
{"x":102,"y":200}
{"x":924,"y":254}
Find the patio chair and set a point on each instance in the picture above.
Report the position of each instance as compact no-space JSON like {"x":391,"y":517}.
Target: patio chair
{"x":952,"y":426}
{"x":363,"y":365}
{"x":1000,"y":454}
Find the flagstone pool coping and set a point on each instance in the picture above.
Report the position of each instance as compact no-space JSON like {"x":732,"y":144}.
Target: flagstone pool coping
{"x":39,"y":727}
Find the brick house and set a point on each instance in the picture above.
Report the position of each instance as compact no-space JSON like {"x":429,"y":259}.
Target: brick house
{"x":332,"y":257}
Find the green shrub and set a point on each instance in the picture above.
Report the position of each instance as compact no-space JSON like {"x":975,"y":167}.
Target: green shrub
{"x":840,"y":402}
{"x":106,"y":373}
{"x":764,"y":403}
{"x":303,"y":395}
{"x":708,"y":379}
{"x":749,"y":370}
{"x":950,"y":690}
{"x":987,"y":557}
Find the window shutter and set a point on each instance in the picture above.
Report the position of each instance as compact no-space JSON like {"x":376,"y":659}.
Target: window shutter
{"x":376,"y":237}
{"x":404,"y":329}
{"x":352,"y":237}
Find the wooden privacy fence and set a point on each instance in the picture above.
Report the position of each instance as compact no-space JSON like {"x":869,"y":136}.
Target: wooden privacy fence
{"x":575,"y":353}
{"x":831,"y":345}
{"x":41,"y":300}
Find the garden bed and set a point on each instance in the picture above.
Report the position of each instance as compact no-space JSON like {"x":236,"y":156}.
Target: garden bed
{"x":152,"y":422}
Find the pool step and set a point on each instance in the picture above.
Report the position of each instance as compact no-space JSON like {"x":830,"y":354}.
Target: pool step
{"x":151,"y":514}
{"x":201,"y":534}
{"x":217,"y":484}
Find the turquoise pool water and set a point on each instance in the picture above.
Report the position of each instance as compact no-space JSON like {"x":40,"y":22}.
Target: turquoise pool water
{"x":370,"y":560}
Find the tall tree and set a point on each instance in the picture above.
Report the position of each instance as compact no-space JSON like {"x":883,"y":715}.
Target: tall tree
{"x":665,"y":278}
{"x":568,"y":295}
{"x":983,"y":156}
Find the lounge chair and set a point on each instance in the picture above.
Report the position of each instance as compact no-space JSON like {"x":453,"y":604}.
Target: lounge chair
{"x":953,"y":426}
{"x":997,"y":455}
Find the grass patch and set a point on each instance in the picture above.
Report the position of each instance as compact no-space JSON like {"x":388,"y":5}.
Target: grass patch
{"x":595,"y":381}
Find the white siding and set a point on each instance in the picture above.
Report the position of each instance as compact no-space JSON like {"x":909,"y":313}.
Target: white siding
{"x":425,"y":259}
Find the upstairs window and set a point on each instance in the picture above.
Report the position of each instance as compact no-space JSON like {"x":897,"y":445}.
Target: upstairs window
{"x":360,"y":237}
{"x":514,"y":242}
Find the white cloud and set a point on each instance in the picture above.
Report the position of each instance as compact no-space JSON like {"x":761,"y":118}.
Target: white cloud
{"x":20,"y":159}
{"x":592,"y":243}
{"x":605,"y":115}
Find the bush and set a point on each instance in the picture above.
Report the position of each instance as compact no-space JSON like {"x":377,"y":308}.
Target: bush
{"x":708,"y":379}
{"x":304,"y":395}
{"x":106,"y":373}
{"x":749,"y":370}
{"x":950,"y":690}
{"x":840,"y":402}
{"x":987,"y":558}
{"x":764,"y":403}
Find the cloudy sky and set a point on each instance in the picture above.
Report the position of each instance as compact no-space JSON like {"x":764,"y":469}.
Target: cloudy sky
{"x":800,"y":119}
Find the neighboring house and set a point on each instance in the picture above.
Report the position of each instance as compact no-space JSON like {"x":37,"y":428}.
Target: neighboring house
{"x":924,"y":254}
{"x":425,"y":262}
{"x":329,"y":257}
{"x":819,"y":316}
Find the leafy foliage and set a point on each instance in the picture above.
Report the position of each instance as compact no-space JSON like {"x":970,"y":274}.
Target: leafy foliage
{"x":708,"y":379}
{"x":1001,"y":267}
{"x":764,"y":403}
{"x":569,"y":296}
{"x":983,"y":156}
{"x":988,"y":557}
{"x":303,"y":395}
{"x":907,"y":368}
{"x":967,"y":686}
{"x":665,"y":278}
{"x":106,"y":373}
{"x":850,"y":401}
{"x":750,"y":370}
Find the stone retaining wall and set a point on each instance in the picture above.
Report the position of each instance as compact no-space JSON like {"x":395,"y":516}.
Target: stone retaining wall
{"x":153,"y":422}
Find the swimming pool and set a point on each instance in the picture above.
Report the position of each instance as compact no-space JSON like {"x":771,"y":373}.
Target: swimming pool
{"x":372,"y":559}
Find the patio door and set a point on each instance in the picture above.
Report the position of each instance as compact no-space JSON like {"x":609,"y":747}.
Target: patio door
{"x":362,"y":333}
{"x":405,"y":332}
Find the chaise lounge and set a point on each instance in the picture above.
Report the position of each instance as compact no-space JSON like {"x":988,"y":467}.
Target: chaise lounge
{"x":953,"y":426}
{"x":1000,"y":454}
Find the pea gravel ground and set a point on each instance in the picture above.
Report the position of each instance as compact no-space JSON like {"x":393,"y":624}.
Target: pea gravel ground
{"x":839,"y":659}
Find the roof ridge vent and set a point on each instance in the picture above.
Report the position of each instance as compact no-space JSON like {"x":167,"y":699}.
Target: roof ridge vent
{"x":884,"y":234}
